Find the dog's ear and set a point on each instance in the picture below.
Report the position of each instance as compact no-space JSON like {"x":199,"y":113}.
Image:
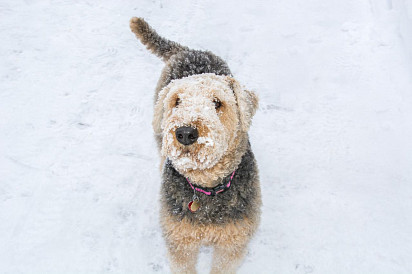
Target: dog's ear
{"x":247,"y":102}
{"x":159,"y":110}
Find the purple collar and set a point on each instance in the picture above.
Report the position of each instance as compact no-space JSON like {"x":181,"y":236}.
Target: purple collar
{"x":214,"y":190}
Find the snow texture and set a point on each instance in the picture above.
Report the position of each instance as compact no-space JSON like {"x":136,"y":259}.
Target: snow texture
{"x":79,"y":176}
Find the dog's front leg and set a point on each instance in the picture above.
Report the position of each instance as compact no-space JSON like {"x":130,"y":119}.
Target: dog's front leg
{"x":183,"y":257}
{"x":227,"y":258}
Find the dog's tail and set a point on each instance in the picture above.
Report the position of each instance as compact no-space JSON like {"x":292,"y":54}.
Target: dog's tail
{"x":160,"y":46}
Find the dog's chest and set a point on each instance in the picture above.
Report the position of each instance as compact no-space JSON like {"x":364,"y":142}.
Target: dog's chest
{"x":233,"y":204}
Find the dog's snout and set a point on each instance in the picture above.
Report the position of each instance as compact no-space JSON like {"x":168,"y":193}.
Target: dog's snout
{"x":187,"y":135}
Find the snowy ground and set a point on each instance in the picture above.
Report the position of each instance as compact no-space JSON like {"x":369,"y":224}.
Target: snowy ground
{"x":79,"y":177}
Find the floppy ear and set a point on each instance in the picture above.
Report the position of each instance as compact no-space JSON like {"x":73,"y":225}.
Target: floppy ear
{"x":159,"y":110}
{"x":247,"y":102}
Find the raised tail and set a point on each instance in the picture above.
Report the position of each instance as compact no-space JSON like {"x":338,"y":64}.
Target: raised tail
{"x":154,"y":42}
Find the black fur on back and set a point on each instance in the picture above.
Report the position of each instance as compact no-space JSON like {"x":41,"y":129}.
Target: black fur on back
{"x":192,"y":62}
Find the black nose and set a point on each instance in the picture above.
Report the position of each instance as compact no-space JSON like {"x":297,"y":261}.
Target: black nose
{"x":187,"y":135}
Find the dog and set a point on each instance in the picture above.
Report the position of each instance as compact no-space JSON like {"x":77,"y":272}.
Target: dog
{"x":210,"y":194}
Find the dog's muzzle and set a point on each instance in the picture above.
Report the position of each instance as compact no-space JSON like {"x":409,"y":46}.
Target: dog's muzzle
{"x":186,"y":135}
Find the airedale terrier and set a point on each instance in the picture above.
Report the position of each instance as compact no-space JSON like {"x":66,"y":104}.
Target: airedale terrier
{"x":210,"y":193}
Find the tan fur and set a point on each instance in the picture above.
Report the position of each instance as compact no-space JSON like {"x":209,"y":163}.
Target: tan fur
{"x":211,"y":176}
{"x":247,"y":102}
{"x":184,"y":239}
{"x":231,"y":116}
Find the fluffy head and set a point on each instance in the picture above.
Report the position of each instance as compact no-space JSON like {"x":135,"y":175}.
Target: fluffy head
{"x":215,"y":105}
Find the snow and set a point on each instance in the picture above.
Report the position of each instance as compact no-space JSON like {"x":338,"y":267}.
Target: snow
{"x":79,"y":176}
{"x":206,"y":140}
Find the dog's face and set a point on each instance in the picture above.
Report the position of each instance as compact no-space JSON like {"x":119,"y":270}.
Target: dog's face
{"x":199,"y":117}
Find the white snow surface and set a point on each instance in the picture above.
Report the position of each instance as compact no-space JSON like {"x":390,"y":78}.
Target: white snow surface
{"x":79,"y":176}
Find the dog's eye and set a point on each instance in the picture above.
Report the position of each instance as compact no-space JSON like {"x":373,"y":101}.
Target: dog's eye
{"x":217,"y":102}
{"x":177,"y":101}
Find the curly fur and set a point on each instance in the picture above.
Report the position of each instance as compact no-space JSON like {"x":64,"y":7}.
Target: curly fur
{"x":240,"y":201}
{"x":228,"y":220}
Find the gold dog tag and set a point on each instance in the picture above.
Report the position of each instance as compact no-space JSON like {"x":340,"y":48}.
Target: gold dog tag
{"x":193,"y":206}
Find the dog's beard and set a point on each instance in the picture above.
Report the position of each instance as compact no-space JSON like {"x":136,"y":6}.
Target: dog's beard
{"x":206,"y":152}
